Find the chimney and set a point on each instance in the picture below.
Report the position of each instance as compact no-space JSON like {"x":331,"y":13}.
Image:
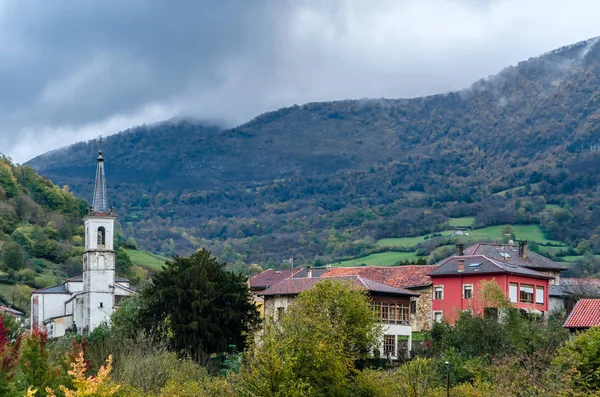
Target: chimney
{"x":523,"y":249}
{"x":461,"y":265}
{"x":308,"y":272}
{"x":459,"y":250}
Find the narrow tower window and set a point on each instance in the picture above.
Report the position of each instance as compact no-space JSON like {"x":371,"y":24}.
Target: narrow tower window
{"x":101,"y":236}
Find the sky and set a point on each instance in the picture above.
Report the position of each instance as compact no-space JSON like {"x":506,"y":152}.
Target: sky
{"x":74,"y":70}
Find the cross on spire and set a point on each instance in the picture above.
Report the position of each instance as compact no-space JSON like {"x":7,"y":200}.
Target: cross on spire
{"x":100,"y":200}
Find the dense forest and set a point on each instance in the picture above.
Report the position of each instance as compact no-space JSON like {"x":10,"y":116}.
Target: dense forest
{"x":41,"y":235}
{"x":324,"y":181}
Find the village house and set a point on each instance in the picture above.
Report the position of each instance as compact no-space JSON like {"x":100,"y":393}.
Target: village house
{"x":457,"y":286}
{"x":264,"y":280}
{"x":564,"y":296}
{"x":585,"y":314}
{"x":84,"y":302}
{"x":414,"y":278}
{"x":518,"y":255}
{"x":392,"y":306}
{"x":270,"y":277}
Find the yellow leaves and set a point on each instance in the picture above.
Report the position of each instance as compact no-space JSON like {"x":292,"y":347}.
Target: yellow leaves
{"x":31,"y":392}
{"x":91,"y":386}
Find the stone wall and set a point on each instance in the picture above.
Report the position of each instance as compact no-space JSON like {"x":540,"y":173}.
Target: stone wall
{"x":421,"y":320}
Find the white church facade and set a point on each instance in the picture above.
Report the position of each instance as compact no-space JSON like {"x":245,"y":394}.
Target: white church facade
{"x":82,"y":303}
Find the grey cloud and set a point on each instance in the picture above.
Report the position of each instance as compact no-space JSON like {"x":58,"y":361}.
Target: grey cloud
{"x":72,"y":70}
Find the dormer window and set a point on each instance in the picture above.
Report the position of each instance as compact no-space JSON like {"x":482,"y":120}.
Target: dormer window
{"x":101,"y":236}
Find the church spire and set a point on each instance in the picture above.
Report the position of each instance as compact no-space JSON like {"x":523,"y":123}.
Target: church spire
{"x":100,"y":203}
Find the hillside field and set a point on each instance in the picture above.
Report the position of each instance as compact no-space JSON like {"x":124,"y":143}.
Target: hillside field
{"x":378,"y":259}
{"x":532,"y":233}
{"x":146,"y":259}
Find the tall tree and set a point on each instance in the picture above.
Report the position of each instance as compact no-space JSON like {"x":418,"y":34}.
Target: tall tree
{"x":313,"y":349}
{"x":203,"y":307}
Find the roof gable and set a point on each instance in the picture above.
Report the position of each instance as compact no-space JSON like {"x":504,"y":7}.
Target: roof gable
{"x":270,"y":277}
{"x":585,"y":314}
{"x":294,"y":286}
{"x":480,"y":264}
{"x":532,"y":260}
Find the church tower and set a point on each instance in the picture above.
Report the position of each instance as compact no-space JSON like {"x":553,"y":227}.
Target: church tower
{"x":98,"y":258}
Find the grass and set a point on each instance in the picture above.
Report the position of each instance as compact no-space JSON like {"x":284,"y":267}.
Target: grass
{"x":407,"y":242}
{"x":379,"y":259}
{"x":522,"y":232}
{"x":532,"y":233}
{"x":461,"y":222}
{"x":20,"y":294}
{"x":571,"y":258}
{"x":491,"y":233}
{"x":417,"y":336}
{"x":146,"y":259}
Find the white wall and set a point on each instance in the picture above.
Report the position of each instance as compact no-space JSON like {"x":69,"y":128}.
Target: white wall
{"x":92,"y":223}
{"x":397,"y":330}
{"x":49,"y":305}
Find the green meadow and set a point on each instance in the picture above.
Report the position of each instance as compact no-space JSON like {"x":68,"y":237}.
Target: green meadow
{"x":146,"y":259}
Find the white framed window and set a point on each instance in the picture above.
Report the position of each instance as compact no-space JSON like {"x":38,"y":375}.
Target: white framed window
{"x":513,"y":292}
{"x":526,"y":293}
{"x":438,"y":292}
{"x":467,"y":291}
{"x":438,"y":316}
{"x":539,"y":295}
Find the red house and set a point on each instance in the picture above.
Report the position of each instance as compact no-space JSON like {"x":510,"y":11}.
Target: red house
{"x":457,"y":282}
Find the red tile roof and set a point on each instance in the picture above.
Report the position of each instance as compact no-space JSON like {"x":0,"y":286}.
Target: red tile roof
{"x":270,"y":277}
{"x":585,"y":314}
{"x":409,"y":276}
{"x":293,"y":286}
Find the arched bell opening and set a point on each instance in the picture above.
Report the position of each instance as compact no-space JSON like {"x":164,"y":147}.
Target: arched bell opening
{"x":101,"y":237}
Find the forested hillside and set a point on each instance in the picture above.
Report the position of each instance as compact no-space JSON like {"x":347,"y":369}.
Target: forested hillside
{"x":41,"y":234}
{"x":325,"y":181}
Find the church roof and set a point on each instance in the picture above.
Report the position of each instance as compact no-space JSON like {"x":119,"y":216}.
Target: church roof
{"x":100,"y":199}
{"x":62,"y":288}
{"x":57,"y":289}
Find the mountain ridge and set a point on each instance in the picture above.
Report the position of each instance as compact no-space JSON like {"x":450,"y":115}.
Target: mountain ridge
{"x":293,"y":170}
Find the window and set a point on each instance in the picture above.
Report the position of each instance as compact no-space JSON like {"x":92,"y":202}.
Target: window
{"x":101,"y":236}
{"x":280,"y":311}
{"x":389,"y":345}
{"x":513,"y":292}
{"x":438,"y":292}
{"x":392,"y":313}
{"x":490,"y":312}
{"x":413,"y":307}
{"x":101,"y":305}
{"x":467,"y":291}
{"x":438,"y":316}
{"x":526,"y":293}
{"x":539,"y":295}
